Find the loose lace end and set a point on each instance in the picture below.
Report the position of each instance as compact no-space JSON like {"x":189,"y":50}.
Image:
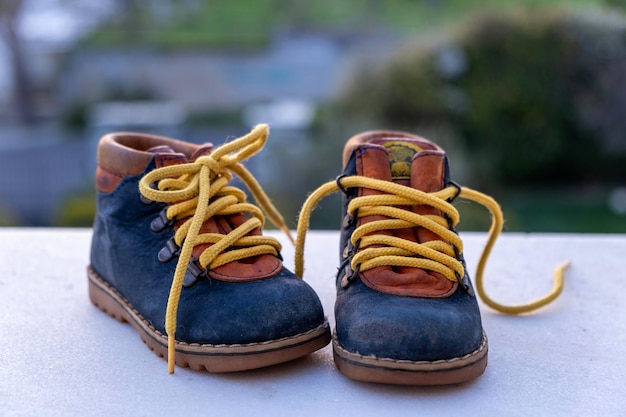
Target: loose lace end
{"x":171,"y":354}
{"x":559,"y":271}
{"x":438,"y":262}
{"x":559,"y":276}
{"x":559,"y":279}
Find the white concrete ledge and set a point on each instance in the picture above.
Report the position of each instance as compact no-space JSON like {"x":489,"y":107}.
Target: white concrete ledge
{"x":62,"y":356}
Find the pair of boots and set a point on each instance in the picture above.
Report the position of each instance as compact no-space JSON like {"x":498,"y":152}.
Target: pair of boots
{"x":178,"y":253}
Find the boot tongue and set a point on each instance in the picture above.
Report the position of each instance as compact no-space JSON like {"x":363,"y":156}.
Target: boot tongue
{"x":403,"y":162}
{"x":258,"y":267}
{"x":401,"y":154}
{"x":406,"y":163}
{"x":411,"y":165}
{"x":166,"y":156}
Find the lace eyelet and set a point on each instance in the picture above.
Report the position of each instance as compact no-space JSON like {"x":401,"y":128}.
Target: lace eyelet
{"x":464,"y":283}
{"x":145,"y":200}
{"x":161,"y":222}
{"x":341,"y":187}
{"x":169,"y":251}
{"x":350,"y":277}
{"x":194,"y":274}
{"x":458,"y":190}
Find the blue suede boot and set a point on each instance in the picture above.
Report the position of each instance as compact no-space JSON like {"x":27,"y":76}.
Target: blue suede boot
{"x":406,"y":311}
{"x":178,"y":253}
{"x":398,"y":321}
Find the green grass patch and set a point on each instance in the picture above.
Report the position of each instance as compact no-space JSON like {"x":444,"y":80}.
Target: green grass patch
{"x":560,"y":211}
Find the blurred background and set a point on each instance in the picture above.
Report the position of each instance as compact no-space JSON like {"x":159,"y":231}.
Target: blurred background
{"x":528,"y":97}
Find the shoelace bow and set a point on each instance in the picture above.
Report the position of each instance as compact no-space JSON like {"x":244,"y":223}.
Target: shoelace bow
{"x":197,"y":191}
{"x":378,"y":249}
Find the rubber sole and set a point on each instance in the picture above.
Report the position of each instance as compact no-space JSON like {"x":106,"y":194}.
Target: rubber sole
{"x":404,"y":372}
{"x":213,"y":358}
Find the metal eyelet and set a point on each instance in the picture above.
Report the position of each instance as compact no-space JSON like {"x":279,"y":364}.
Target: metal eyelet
{"x":348,"y":221}
{"x":350,"y":276}
{"x":145,"y":199}
{"x":169,"y":251}
{"x":194,"y":274}
{"x":464,"y":283}
{"x":458,"y":190}
{"x":161,"y":222}
{"x":338,"y":181}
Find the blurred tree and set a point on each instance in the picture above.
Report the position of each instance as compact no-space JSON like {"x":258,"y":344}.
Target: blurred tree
{"x":23,"y":94}
{"x":617,"y":3}
{"x":533,"y":96}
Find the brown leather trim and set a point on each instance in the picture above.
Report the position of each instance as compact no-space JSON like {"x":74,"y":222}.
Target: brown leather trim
{"x":124,"y":153}
{"x":414,"y":283}
{"x":252,"y":269}
{"x":106,"y":179}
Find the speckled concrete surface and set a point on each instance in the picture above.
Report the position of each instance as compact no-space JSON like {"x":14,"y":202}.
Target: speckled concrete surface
{"x":62,"y":356}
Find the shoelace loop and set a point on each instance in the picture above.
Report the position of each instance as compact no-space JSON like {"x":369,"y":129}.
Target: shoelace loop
{"x":439,"y":256}
{"x":197,"y":191}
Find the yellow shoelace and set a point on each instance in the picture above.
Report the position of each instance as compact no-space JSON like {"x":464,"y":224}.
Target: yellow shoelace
{"x":197,"y":191}
{"x":436,"y":255}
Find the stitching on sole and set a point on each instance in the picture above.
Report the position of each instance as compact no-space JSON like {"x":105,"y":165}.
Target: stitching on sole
{"x":119,"y":298}
{"x":363,"y":360}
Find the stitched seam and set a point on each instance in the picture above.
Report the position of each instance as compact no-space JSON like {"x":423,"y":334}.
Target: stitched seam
{"x":110,"y":171}
{"x":181,"y":343}
{"x":481,"y":348}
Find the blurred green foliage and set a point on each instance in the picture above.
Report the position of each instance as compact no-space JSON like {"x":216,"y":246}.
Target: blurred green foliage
{"x":528,"y":100}
{"x":617,"y":3}
{"x":534,"y":97}
{"x":570,"y":210}
{"x":76,"y":115}
{"x":249,"y":24}
{"x":203,"y":24}
{"x":8,"y":218}
{"x":77,"y":210}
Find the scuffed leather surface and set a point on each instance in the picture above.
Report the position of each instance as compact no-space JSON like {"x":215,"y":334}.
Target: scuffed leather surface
{"x":124,"y":253}
{"x":408,"y":328}
{"x":124,"y":153}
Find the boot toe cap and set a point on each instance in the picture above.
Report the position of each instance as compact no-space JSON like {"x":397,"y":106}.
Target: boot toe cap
{"x":370,"y":323}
